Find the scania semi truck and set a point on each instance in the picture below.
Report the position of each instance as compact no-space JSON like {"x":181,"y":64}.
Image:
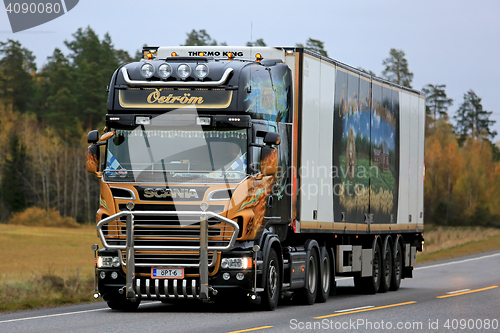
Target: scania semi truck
{"x":255,"y":173}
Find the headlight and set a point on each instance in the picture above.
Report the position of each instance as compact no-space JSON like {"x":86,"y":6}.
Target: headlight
{"x":147,"y":70}
{"x":236,"y":263}
{"x":107,"y":262}
{"x":201,"y":71}
{"x":183,"y":71}
{"x":116,"y":262}
{"x":164,"y":71}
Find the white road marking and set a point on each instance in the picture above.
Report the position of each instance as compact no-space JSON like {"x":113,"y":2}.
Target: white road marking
{"x":67,"y":313}
{"x":459,"y":261}
{"x":354,"y":309}
{"x":53,"y":315}
{"x":458,"y":291}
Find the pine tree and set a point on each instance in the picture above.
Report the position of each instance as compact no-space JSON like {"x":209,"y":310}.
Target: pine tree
{"x":17,"y":69}
{"x":94,"y":62}
{"x":15,"y":171}
{"x":258,"y":42}
{"x":472,"y":120}
{"x":396,"y":68}
{"x":57,"y":104}
{"x":314,"y":45}
{"x":436,"y":101}
{"x":199,"y":38}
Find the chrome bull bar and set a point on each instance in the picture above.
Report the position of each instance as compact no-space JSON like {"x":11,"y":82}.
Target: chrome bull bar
{"x":203,"y":247}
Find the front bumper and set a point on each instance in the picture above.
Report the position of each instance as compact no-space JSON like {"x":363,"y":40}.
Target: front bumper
{"x":169,"y":289}
{"x":121,"y":237}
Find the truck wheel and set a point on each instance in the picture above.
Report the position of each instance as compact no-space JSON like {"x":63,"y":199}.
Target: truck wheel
{"x":307,"y":295}
{"x":324,"y":281}
{"x":371,"y":284}
{"x":385,"y":281}
{"x":124,"y":305}
{"x":333,"y":283}
{"x":397,"y":268}
{"x":272,"y":286}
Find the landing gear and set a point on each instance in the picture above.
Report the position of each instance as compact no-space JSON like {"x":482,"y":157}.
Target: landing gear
{"x":371,"y":284}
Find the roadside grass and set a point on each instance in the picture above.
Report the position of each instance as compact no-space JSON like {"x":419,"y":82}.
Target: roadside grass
{"x":45,"y":266}
{"x":452,"y":242}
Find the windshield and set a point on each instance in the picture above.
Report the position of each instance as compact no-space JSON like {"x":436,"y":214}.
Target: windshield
{"x":177,"y":154}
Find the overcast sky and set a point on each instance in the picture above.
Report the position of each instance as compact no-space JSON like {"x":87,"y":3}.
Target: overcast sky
{"x":452,"y":42}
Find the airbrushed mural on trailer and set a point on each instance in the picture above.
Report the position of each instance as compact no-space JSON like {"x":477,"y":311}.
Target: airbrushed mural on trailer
{"x":366,"y":149}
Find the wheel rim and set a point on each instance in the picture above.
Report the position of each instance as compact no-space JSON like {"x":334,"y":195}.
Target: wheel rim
{"x":273,"y":279}
{"x":312,"y":275}
{"x":376,"y":264}
{"x":387,"y":265}
{"x":325,"y":275}
{"x":397,"y":264}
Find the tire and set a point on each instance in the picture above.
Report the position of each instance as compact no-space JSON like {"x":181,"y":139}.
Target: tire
{"x":397,"y":268}
{"x":307,"y":295}
{"x":272,"y":288}
{"x":324,"y":277}
{"x":333,"y":283}
{"x":387,"y":264}
{"x":124,"y":305}
{"x":371,"y":284}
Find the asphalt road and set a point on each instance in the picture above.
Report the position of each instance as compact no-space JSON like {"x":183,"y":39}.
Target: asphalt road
{"x":460,"y":295}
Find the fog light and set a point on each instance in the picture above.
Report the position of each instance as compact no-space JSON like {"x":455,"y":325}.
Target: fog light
{"x":102,"y":275}
{"x":240,"y":276}
{"x":114,"y":275}
{"x":226,"y":276}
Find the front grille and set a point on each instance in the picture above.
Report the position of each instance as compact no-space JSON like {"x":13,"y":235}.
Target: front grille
{"x":168,"y":239}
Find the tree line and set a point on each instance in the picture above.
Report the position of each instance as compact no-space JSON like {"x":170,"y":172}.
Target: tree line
{"x":45,"y":114}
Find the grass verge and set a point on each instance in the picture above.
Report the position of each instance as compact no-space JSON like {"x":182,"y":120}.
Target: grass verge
{"x":48,"y":290}
{"x":45,"y":266}
{"x":492,"y":243}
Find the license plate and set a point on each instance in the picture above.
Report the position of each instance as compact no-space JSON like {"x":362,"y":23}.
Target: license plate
{"x":167,"y":273}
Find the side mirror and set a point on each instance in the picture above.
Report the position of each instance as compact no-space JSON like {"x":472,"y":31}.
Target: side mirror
{"x":269,"y":161}
{"x":93,"y":136}
{"x":93,"y":157}
{"x":272,"y":138}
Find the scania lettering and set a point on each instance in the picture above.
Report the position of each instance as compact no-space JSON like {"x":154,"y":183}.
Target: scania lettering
{"x":256,"y":173}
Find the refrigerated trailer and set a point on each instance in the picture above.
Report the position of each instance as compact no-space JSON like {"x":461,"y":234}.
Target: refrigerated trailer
{"x":255,"y":172}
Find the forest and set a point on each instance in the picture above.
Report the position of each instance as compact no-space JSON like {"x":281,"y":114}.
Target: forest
{"x":45,"y":114}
